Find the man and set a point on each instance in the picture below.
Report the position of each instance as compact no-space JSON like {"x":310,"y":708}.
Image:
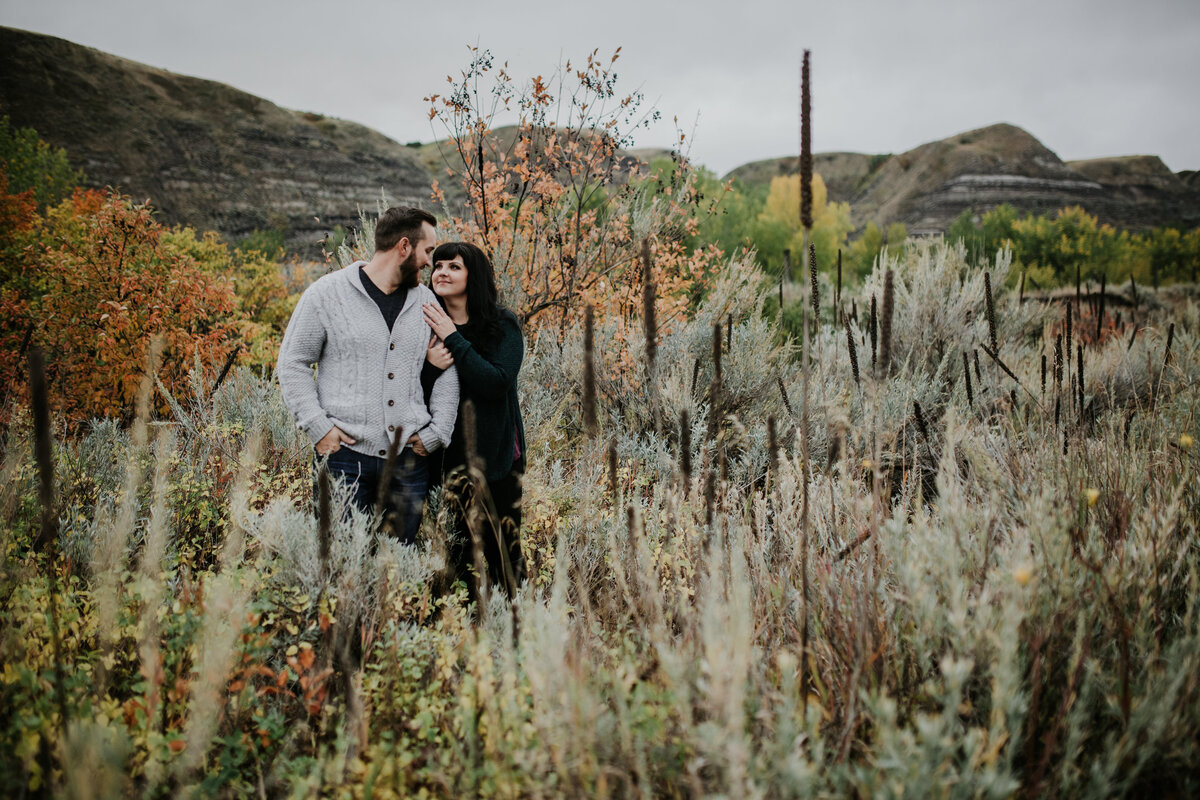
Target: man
{"x":363,"y":328}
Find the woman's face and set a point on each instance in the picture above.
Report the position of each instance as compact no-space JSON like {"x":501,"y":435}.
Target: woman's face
{"x":450,"y":278}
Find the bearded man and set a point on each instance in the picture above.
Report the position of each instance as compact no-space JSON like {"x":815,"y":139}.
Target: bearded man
{"x":363,"y":329}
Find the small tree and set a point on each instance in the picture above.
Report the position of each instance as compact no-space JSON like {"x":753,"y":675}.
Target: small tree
{"x":551,"y":198}
{"x":32,"y":164}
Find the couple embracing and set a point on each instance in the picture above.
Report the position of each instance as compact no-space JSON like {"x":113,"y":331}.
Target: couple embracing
{"x":395,"y":362}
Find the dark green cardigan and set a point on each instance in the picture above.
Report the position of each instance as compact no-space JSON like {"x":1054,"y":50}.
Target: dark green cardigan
{"x":488,"y":362}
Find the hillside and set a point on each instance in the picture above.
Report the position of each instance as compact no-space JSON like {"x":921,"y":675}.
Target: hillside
{"x":218,"y":158}
{"x":207,"y":154}
{"x":844,"y":173}
{"x":928,"y":186}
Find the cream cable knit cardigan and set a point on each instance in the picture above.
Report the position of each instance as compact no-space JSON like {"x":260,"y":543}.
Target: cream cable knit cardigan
{"x":368,"y":383}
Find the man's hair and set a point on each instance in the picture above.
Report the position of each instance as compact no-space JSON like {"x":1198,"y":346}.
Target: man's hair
{"x":400,"y":222}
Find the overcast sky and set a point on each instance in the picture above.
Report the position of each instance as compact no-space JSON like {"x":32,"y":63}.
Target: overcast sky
{"x":1088,"y":78}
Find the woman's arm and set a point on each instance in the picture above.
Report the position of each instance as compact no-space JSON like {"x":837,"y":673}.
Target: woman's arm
{"x":498,"y":372}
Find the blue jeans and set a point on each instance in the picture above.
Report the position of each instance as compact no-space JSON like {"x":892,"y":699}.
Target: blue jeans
{"x":405,"y":495}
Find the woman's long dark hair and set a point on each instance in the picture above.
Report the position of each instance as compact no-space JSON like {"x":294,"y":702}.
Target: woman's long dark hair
{"x":483,"y":298}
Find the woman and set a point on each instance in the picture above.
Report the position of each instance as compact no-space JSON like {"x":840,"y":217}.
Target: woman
{"x":483,"y":340}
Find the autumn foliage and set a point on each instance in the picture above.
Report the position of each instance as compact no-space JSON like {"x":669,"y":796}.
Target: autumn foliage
{"x":558,"y":203}
{"x":93,"y":282}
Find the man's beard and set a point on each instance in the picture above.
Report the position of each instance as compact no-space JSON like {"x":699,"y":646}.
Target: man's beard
{"x":410,"y":273}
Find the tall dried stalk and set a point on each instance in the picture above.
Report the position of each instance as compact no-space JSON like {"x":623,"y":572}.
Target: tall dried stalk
{"x":991,"y":312}
{"x":967,"y":379}
{"x":814,"y":299}
{"x":806,"y":369}
{"x":874,"y":327}
{"x":806,"y":165}
{"x":853,"y":351}
{"x":837,"y":292}
{"x":590,"y":423}
{"x":47,"y":541}
{"x":885,"y":322}
{"x":715,"y":400}
{"x":612,"y":469}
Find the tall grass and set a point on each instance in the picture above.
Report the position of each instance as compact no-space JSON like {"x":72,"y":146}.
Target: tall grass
{"x":985,"y":615}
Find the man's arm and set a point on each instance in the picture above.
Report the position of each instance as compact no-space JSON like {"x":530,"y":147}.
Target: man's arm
{"x":443,"y":407}
{"x":302,"y":344}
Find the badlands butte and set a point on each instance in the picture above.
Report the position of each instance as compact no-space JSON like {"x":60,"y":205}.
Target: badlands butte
{"x":217,"y":158}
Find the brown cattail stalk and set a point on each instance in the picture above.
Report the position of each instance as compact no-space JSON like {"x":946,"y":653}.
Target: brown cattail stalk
{"x":1043,"y":382}
{"x":324,"y":519}
{"x":991,"y":311}
{"x":1058,"y":363}
{"x":874,"y":331}
{"x":1170,"y":339}
{"x":967,"y":379}
{"x":714,"y":413}
{"x":1079,"y":378}
{"x":784,"y":395}
{"x":1021,"y":291}
{"x":837,"y":293}
{"x":978,"y":372}
{"x":806,"y":369}
{"x":920,"y":418}
{"x":806,"y":165}
{"x":1068,"y":338}
{"x":853,"y":351}
{"x":472,"y":513}
{"x":590,"y":424}
{"x":48,"y":532}
{"x":612,"y":468}
{"x":649,"y":310}
{"x":1100,"y":306}
{"x":812,"y":277}
{"x":229,"y":361}
{"x":885,"y":321}
{"x":729,"y":333}
{"x":716,"y":353}
{"x":385,"y":481}
{"x":772,"y":446}
{"x":710,"y":496}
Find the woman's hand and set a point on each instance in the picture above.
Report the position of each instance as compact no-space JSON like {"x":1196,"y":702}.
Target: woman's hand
{"x":438,"y":320}
{"x":437,"y":354}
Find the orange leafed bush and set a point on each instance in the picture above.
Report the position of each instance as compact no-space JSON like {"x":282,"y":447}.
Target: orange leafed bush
{"x":93,"y":289}
{"x":558,"y":203}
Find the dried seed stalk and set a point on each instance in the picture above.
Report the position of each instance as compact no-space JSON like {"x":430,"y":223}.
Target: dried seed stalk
{"x":885,"y":321}
{"x":590,"y":424}
{"x":853,"y":351}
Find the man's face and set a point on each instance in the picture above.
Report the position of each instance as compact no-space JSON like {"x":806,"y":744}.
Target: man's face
{"x":418,"y":257}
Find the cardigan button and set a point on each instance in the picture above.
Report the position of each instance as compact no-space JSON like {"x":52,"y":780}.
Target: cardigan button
{"x":383,"y":452}
{"x":392,"y":346}
{"x":391,"y":375}
{"x":391,"y":427}
{"x":391,"y":402}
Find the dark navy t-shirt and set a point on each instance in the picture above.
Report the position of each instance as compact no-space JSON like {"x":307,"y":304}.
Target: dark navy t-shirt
{"x":389,"y":304}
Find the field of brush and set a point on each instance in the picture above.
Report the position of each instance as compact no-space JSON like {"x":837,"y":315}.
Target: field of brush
{"x":953,"y":552}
